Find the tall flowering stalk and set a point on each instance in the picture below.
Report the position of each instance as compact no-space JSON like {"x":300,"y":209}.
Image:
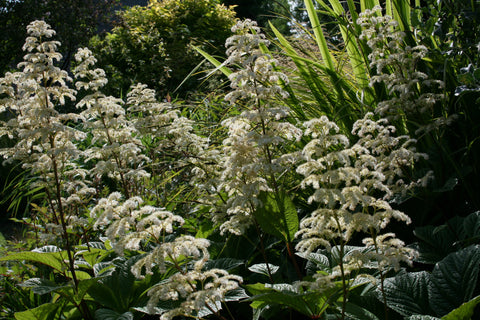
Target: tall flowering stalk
{"x":352,"y":186}
{"x":116,"y":148}
{"x":256,"y":157}
{"x":412,"y":95}
{"x":254,"y":150}
{"x":172,"y":142}
{"x":44,"y":139}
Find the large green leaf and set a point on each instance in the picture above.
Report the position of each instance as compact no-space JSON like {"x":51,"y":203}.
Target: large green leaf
{"x":453,"y":280}
{"x":437,"y":242}
{"x":107,"y":314}
{"x":54,"y":260}
{"x":356,"y":312}
{"x":42,"y":286}
{"x":278,"y":215}
{"x":310,"y":304}
{"x":224,"y":263}
{"x":261,"y":268}
{"x":407,"y":293}
{"x":464,"y":312}
{"x":44,"y":312}
{"x":120,"y":290}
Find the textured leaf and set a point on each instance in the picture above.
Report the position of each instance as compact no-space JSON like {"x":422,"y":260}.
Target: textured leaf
{"x":453,"y":280}
{"x":236,"y":295}
{"x":278,"y":215}
{"x":223,"y":263}
{"x":358,"y":313}
{"x":107,"y":314}
{"x":407,"y":293}
{"x":45,"y":249}
{"x":41,"y":286}
{"x":311,"y":304}
{"x":261,"y":268}
{"x":422,"y":317}
{"x":437,"y":242}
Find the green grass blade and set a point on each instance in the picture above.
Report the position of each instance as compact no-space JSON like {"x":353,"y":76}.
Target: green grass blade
{"x":401,"y":13}
{"x":319,"y":36}
{"x":349,"y":38}
{"x":219,"y":65}
{"x":368,"y":4}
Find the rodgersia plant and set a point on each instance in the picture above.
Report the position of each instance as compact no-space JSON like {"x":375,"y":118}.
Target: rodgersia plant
{"x":353,"y":184}
{"x":116,"y":148}
{"x":413,"y":96}
{"x":256,"y":150}
{"x":130,"y":225}
{"x":44,"y":140}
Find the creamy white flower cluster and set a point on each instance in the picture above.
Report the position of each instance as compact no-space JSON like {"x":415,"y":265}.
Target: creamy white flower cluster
{"x":116,"y":147}
{"x":128,"y":222}
{"x":199,"y":291}
{"x":396,"y":66}
{"x":162,"y":121}
{"x":44,"y":142}
{"x":352,"y":184}
{"x":130,"y":225}
{"x":254,"y":154}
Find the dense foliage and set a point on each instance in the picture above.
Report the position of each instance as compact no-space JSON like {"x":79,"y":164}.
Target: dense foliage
{"x":155,"y":44}
{"x":328,"y":182}
{"x":75,"y":21}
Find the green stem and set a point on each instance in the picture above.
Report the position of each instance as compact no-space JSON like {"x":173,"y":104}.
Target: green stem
{"x":382,"y":275}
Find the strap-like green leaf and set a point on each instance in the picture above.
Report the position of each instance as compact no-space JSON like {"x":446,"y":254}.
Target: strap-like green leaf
{"x":319,"y":36}
{"x":219,"y":65}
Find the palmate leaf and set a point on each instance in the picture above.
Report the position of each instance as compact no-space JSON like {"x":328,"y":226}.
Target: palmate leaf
{"x":407,"y":293}
{"x":278,"y":215}
{"x":453,"y":280}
